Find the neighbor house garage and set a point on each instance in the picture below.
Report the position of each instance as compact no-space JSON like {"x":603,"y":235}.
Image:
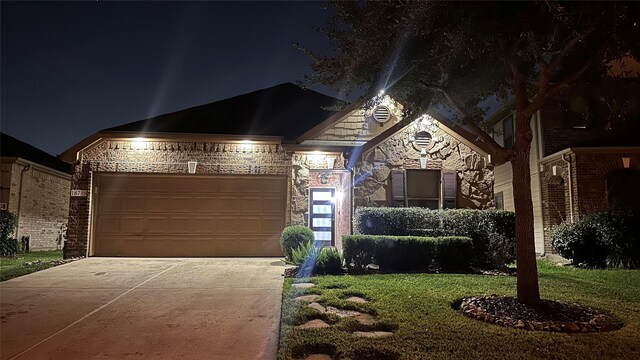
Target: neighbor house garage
{"x":224,"y":179}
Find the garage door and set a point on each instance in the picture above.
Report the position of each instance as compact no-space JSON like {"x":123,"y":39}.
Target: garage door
{"x":180,"y":215}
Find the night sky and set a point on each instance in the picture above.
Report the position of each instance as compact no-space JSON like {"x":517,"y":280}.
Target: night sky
{"x":69,"y":70}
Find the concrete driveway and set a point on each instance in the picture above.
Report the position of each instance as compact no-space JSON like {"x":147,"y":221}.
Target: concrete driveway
{"x":124,"y":308}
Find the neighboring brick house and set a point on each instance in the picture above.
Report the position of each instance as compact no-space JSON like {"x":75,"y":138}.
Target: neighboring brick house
{"x":224,"y":179}
{"x":580,"y":162}
{"x":35,"y":186}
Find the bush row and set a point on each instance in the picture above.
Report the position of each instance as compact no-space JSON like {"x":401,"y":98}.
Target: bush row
{"x":8,"y":224}
{"x":600,"y":240}
{"x":406,"y":253}
{"x":492,"y":231}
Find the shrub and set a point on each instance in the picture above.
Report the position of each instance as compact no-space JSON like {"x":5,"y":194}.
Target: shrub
{"x":454,"y":252}
{"x":406,"y":253}
{"x":492,"y":231}
{"x":329,"y":262}
{"x":294,"y":236}
{"x":8,"y":224}
{"x":600,"y":240}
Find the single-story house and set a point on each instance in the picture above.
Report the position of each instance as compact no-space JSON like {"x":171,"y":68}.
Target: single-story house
{"x":224,"y":179}
{"x":35,"y":187}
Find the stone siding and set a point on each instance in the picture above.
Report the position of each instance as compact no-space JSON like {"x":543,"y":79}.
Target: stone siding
{"x":166,"y":157}
{"x":474,"y":176}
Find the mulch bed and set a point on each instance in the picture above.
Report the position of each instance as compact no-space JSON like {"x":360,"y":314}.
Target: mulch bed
{"x":549,"y":315}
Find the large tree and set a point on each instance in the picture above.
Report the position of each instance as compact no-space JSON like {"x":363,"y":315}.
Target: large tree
{"x":461,"y":56}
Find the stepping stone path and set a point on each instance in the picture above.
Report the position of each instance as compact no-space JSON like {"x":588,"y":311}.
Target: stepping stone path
{"x":318,"y":357}
{"x":313,"y":324}
{"x":357,"y":299}
{"x":372,"y":334}
{"x":303,"y":285}
{"x":365,"y":319}
{"x":342,"y":312}
{"x":317,"y":307}
{"x":308,"y":298}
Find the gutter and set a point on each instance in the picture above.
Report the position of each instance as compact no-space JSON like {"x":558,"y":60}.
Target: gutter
{"x":568,"y":162}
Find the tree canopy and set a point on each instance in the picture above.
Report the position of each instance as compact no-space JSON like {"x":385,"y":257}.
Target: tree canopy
{"x":460,"y":56}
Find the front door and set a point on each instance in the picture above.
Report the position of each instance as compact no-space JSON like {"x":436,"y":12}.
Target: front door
{"x":322,"y":215}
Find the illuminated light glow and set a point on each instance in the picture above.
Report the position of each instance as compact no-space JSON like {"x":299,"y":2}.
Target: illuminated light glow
{"x":247,"y":145}
{"x":381,"y":92}
{"x":317,"y":156}
{"x":139,"y":143}
{"x":337,"y":197}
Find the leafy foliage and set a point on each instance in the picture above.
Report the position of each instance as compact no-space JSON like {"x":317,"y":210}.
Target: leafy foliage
{"x":600,"y":240}
{"x":329,"y":262}
{"x":492,"y":231}
{"x":8,"y":224}
{"x":406,"y":253}
{"x":294,"y":236}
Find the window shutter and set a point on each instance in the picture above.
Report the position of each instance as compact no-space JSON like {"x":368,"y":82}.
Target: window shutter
{"x":450,"y":185}
{"x":397,"y":187}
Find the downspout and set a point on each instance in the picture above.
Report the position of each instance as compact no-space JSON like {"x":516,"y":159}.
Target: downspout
{"x":570,"y":187}
{"x":25,"y":169}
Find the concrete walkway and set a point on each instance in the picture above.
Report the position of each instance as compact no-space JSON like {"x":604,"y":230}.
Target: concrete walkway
{"x":124,"y":308}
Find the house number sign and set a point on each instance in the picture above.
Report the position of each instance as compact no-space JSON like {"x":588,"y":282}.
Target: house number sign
{"x":79,"y":193}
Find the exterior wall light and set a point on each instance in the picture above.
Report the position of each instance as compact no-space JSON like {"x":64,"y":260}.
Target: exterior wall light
{"x":423,"y":159}
{"x":191,"y":165}
{"x":625,"y":162}
{"x":139,"y":143}
{"x":554,"y":170}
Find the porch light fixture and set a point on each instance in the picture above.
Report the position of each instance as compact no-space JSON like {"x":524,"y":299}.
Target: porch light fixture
{"x":330,"y":162}
{"x":554,"y":170}
{"x":192,"y":166}
{"x":625,"y":162}
{"x":423,"y":159}
{"x":489,"y":159}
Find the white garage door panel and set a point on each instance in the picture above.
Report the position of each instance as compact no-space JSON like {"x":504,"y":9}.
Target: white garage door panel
{"x":177,"y":215}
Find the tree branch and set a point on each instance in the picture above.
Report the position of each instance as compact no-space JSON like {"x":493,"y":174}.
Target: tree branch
{"x":468,"y":120}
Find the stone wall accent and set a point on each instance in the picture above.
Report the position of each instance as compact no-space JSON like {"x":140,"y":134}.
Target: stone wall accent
{"x":371,"y":174}
{"x":42,"y":204}
{"x":167,"y":157}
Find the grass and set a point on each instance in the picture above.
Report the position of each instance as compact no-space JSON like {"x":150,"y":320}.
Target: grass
{"x":12,"y":267}
{"x":418,"y":308}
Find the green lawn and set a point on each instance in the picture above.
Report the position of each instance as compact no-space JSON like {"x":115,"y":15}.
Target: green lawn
{"x":418,"y":308}
{"x":13,"y":267}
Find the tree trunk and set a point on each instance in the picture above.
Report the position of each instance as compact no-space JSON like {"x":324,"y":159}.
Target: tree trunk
{"x":527,"y":270}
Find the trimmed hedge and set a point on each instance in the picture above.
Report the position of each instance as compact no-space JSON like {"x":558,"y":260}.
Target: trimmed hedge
{"x":492,"y":231}
{"x":406,"y":253}
{"x":293,"y":237}
{"x":8,"y":224}
{"x":600,"y":240}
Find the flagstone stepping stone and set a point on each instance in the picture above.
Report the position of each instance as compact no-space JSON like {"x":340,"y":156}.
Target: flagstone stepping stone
{"x":317,"y":307}
{"x":357,"y":299}
{"x":313,"y":324}
{"x":342,"y":312}
{"x":303,"y":285}
{"x":318,"y":357}
{"x":372,"y":334}
{"x":365,"y":319}
{"x":308,"y":298}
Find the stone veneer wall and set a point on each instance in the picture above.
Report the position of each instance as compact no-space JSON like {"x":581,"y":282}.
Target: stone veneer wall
{"x":43,"y":203}
{"x":168,"y":157}
{"x":475,"y":178}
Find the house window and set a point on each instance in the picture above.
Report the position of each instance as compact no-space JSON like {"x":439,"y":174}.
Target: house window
{"x":507,"y":131}
{"x":577,"y":114}
{"x":423,"y":188}
{"x":499,"y":200}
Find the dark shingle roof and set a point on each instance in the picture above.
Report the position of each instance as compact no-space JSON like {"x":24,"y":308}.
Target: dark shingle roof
{"x":284,"y":110}
{"x":12,"y":147}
